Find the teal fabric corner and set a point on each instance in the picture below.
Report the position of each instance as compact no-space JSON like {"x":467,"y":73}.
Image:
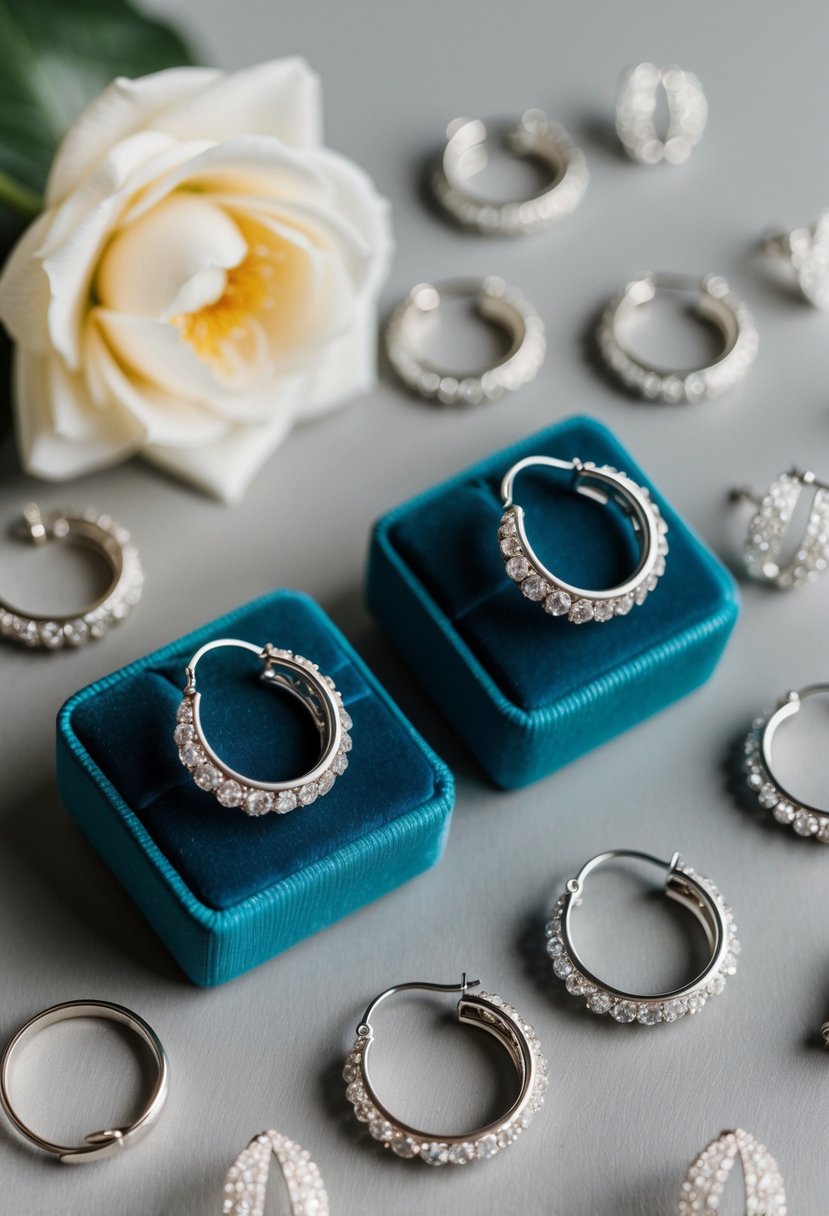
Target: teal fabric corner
{"x":223,"y":891}
{"x":526,"y":692}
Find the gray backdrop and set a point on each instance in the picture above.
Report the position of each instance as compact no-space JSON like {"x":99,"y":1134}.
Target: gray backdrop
{"x":627,"y":1109}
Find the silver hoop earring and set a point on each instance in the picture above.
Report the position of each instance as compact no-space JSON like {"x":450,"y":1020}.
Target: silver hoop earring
{"x":769,"y":791}
{"x":507,"y":1027}
{"x":94,"y":531}
{"x":635,"y":107}
{"x":769,"y":527}
{"x":495,"y":302}
{"x":111,"y":1140}
{"x":715,"y":303}
{"x":302,"y":679}
{"x":765,"y":1193}
{"x":686,"y":887}
{"x":806,"y":250}
{"x":558,"y":598}
{"x":534,"y":136}
{"x":246,"y":1182}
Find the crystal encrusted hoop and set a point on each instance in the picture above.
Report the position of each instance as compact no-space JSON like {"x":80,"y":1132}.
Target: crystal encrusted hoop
{"x":772,"y":796}
{"x":93,"y":530}
{"x":765,"y":1192}
{"x":698,"y":895}
{"x":559,"y":598}
{"x":508,"y":1028}
{"x":298,"y":676}
{"x":768,"y":531}
{"x":807,"y":252}
{"x":246,"y":1182}
{"x":636,"y":105}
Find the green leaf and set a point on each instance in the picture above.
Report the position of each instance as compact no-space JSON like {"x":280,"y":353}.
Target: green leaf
{"x":55,"y":56}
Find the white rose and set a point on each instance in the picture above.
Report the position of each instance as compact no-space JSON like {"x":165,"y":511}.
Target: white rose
{"x":204,"y":275}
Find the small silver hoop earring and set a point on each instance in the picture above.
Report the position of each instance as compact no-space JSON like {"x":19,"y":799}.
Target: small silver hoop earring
{"x":507,"y":1027}
{"x":533,"y":135}
{"x":246,"y":1182}
{"x":686,"y":887}
{"x":769,"y":527}
{"x":94,"y":531}
{"x":707,"y":1178}
{"x":806,"y":820}
{"x":635,"y":107}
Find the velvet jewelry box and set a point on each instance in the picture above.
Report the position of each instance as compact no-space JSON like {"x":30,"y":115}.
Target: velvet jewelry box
{"x":526,"y":691}
{"x":226,"y":891}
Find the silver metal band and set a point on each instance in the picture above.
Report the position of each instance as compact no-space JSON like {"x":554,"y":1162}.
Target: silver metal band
{"x":111,"y":1140}
{"x":806,"y":820}
{"x":96,"y":531}
{"x":532,"y":135}
{"x":686,"y":887}
{"x":303,"y":680}
{"x":246,"y":1182}
{"x":769,"y":529}
{"x":707,"y":1178}
{"x":540,"y":584}
{"x":499,"y":1019}
{"x":716,"y":303}
{"x":636,"y":105}
{"x":806,"y":250}
{"x":503,"y":306}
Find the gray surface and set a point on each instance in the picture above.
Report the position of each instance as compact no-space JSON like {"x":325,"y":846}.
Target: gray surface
{"x":627,"y":1110}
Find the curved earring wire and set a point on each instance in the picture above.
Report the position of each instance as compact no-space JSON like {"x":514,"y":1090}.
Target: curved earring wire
{"x":246,"y":1182}
{"x":765,"y":1193}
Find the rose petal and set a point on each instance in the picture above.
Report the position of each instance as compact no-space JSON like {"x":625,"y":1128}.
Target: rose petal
{"x":347,"y":367}
{"x":280,"y":98}
{"x":123,"y":108}
{"x":24,"y":289}
{"x":358,"y":203}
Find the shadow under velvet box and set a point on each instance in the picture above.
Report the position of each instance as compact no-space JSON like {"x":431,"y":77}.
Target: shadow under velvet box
{"x":528,"y":692}
{"x":225,"y":891}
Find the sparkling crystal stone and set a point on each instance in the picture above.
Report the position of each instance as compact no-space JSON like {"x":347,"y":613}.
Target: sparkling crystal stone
{"x":768,"y":796}
{"x":207,"y":776}
{"x":183,"y":733}
{"x":511,"y":546}
{"x":599,"y":1002}
{"x":624,"y":1011}
{"x":487,"y":1147}
{"x":77,"y":632}
{"x":191,"y":754}
{"x":575,"y":984}
{"x":381,"y":1129}
{"x":350,"y":1073}
{"x":356,"y":1092}
{"x":325,"y":783}
{"x":51,"y":635}
{"x":805,"y":825}
{"x":434,"y":1154}
{"x":364,"y":1111}
{"x":347,"y":742}
{"x":309,"y":793}
{"x":784,"y":812}
{"x":461,"y":1154}
{"x":230,"y":793}
{"x":562,"y":967}
{"x":404,"y":1146}
{"x":345,"y":718}
{"x":755,"y":780}
{"x":557,"y":603}
{"x":649,"y":1015}
{"x":184,"y":713}
{"x":581,"y":612}
{"x":602,"y":610}
{"x":555,"y":947}
{"x":258,"y":802}
{"x":518,"y":568}
{"x":623,"y":605}
{"x":673,"y":1010}
{"x":285,"y":801}
{"x":535,"y":587}
{"x":339,"y":764}
{"x":716,"y":985}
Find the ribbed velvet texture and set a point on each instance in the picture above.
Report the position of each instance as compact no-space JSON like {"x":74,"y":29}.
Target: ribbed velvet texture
{"x":384,"y":820}
{"x":526,"y":691}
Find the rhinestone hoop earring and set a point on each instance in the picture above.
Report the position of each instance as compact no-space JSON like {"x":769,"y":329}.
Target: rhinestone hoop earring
{"x":771,"y":794}
{"x":94,"y":531}
{"x":508,"y":1028}
{"x":769,"y":527}
{"x":806,"y":250}
{"x":246,"y":1182}
{"x":558,"y":598}
{"x":765,"y":1193}
{"x":635,"y":107}
{"x":302,"y":679}
{"x":686,"y":887}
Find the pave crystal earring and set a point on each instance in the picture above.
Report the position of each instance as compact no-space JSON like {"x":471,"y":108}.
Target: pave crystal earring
{"x":772,"y":795}
{"x":765,"y":1194}
{"x":507,"y":1027}
{"x":246,"y":1182}
{"x":769,"y":528}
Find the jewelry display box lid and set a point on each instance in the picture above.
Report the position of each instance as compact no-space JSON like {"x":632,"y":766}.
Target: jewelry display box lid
{"x":226,"y":891}
{"x":528,"y":692}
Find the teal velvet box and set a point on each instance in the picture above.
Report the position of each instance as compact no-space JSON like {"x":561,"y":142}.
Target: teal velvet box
{"x":528,"y":692}
{"x":223,"y":890}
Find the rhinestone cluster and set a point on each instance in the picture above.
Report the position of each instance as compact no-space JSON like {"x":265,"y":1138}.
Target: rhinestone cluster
{"x":646,"y":1012}
{"x":517,"y":369}
{"x":674,"y":386}
{"x":808,"y":251}
{"x":553,"y":597}
{"x":636,"y":106}
{"x":455,"y":1151}
{"x":530,"y":215}
{"x":248,"y":796}
{"x":707,"y":1178}
{"x":768,"y":528}
{"x":54,"y":634}
{"x":246,"y":1182}
{"x":803,"y":820}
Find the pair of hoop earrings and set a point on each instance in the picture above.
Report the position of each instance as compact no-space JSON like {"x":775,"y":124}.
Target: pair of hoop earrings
{"x":92,"y":530}
{"x":806,"y":820}
{"x":686,"y":887}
